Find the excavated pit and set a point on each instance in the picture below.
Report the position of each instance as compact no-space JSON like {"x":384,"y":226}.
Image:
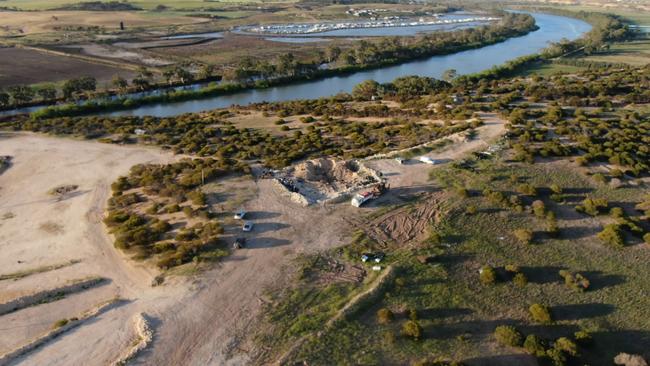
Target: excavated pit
{"x":325,"y":180}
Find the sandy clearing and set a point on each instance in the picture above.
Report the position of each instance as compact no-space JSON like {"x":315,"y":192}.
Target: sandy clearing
{"x":414,"y":173}
{"x":39,"y":164}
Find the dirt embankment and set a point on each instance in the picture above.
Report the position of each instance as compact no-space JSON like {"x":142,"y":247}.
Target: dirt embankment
{"x":49,"y":295}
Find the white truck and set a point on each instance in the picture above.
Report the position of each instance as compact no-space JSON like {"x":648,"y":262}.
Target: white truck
{"x":363,"y":197}
{"x":427,"y":160}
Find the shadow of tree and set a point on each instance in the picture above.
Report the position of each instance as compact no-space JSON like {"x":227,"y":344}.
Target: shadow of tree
{"x":503,"y":360}
{"x":581,"y":311}
{"x":598,"y":280}
{"x":542,"y":274}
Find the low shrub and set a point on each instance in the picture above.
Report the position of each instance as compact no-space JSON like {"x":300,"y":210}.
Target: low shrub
{"x":488,"y":275}
{"x":556,"y":357}
{"x":508,"y":335}
{"x":612,"y":235}
{"x":576,"y":281}
{"x":412,"y":329}
{"x":593,"y":206}
{"x":534,"y":345}
{"x":567,"y":346}
{"x":520,"y":280}
{"x":524,"y":235}
{"x":540,"y":314}
{"x":539,"y":209}
{"x":384,"y":316}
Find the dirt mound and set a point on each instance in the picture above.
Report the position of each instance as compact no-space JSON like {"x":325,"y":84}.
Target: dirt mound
{"x":63,"y":190}
{"x":337,"y":174}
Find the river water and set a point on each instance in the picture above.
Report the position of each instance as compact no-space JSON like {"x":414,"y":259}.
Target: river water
{"x":552,"y":28}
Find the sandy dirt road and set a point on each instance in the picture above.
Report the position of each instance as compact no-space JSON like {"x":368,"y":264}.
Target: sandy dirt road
{"x":197,"y":321}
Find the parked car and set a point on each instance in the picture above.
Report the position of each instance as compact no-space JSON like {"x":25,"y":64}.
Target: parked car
{"x":378,"y":257}
{"x":239,"y":215}
{"x":427,"y":160}
{"x":374,"y":257}
{"x":239,"y":243}
{"x":248,"y":226}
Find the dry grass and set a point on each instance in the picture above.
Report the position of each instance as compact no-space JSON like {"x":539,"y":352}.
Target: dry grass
{"x":28,"y":23}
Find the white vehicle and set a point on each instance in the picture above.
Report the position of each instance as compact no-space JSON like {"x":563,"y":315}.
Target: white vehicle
{"x":360,"y":198}
{"x":239,"y":215}
{"x":248,"y":226}
{"x":427,"y":160}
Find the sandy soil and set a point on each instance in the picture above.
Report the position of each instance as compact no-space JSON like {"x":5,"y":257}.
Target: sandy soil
{"x":200,"y":320}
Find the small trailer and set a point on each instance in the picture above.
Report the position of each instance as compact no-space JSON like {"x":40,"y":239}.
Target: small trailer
{"x":363,"y":197}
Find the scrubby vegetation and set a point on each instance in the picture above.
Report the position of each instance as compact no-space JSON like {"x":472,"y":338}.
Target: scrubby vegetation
{"x":152,"y":197}
{"x":542,"y":296}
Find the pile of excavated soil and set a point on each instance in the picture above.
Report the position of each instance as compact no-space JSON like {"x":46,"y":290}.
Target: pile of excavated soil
{"x":331,"y":174}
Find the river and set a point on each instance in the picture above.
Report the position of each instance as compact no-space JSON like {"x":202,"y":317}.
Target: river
{"x":552,"y":28}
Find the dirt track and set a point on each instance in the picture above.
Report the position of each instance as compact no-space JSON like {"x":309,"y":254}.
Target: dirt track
{"x":197,"y":321}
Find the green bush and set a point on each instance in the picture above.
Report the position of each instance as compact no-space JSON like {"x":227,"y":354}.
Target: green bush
{"x":556,"y":189}
{"x":539,"y":209}
{"x":616,"y":212}
{"x":471,"y":210}
{"x":172,"y":208}
{"x":567,"y":346}
{"x":612,"y":235}
{"x":508,"y":336}
{"x":593,"y":206}
{"x":384,"y":316}
{"x":524,"y":235}
{"x":197,"y":197}
{"x":576,"y":281}
{"x":556,"y":357}
{"x":520,"y":280}
{"x":527,"y":189}
{"x":646,"y":238}
{"x":534,"y":345}
{"x":412,"y":329}
{"x":540,"y":314}
{"x":488,"y":275}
